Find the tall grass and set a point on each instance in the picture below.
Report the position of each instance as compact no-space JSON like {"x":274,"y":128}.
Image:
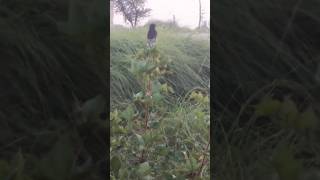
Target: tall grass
{"x":189,"y":60}
{"x":176,"y":142}
{"x":263,"y":48}
{"x":45,"y":74}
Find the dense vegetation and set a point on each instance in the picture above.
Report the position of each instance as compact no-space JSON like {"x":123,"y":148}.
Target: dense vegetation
{"x":165,"y":136}
{"x":266,"y":95}
{"x":48,"y":70}
{"x":266,"y":89}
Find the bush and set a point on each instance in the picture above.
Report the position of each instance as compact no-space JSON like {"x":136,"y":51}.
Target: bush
{"x":154,"y":139}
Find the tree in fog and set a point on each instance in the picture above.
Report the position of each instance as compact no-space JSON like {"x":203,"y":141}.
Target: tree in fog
{"x":132,"y":10}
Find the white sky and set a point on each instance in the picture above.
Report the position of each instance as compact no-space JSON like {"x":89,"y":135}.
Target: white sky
{"x":186,"y":11}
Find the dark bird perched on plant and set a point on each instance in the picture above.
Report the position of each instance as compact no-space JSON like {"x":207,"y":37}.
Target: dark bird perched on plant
{"x":152,"y":35}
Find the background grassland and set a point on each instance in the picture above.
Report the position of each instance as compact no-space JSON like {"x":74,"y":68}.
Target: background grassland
{"x":190,"y":59}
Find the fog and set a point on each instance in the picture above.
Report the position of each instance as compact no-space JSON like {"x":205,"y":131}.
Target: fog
{"x":186,"y":12}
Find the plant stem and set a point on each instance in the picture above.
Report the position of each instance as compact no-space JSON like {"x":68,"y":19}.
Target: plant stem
{"x":146,"y":116}
{"x":148,"y":92}
{"x":142,"y":155}
{"x":204,"y":157}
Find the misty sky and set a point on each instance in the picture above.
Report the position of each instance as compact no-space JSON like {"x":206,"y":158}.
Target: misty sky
{"x":186,"y":11}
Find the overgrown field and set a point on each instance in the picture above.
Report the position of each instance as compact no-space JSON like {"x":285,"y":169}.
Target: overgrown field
{"x":189,"y":57}
{"x":47,"y":73}
{"x":266,"y":89}
{"x":165,"y":135}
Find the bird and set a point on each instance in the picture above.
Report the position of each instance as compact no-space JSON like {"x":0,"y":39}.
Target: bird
{"x":152,"y":35}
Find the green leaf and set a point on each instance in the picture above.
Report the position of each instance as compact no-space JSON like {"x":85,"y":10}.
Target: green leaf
{"x":200,"y":114}
{"x":123,"y":174}
{"x":164,"y":88}
{"x":192,"y":164}
{"x":287,"y":167}
{"x":138,"y":67}
{"x":307,"y":119}
{"x":149,"y":67}
{"x":161,"y":150}
{"x":205,"y":100}
{"x":157,"y":97}
{"x":155,"y":124}
{"x":267,"y":106}
{"x":128,"y":113}
{"x":143,"y":169}
{"x":58,"y":162}
{"x":156,"y":87}
{"x":141,"y":142}
{"x":147,"y":137}
{"x":115,"y":164}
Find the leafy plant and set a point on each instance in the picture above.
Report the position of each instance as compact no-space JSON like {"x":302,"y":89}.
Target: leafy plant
{"x":152,"y":142}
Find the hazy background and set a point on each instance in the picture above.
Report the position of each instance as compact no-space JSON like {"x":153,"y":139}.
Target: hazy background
{"x":186,"y":12}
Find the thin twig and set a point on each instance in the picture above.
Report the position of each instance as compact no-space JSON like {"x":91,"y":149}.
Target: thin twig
{"x":204,"y":157}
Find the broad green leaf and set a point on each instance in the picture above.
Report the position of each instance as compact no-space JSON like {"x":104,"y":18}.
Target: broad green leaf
{"x":156,"y":87}
{"x":287,"y":167}
{"x":137,"y":67}
{"x":192,"y":164}
{"x":157,"y":97}
{"x":200,"y":114}
{"x":115,"y":164}
{"x":164,"y":88}
{"x":307,"y":119}
{"x":123,"y":174}
{"x":128,"y":113}
{"x":267,"y":106}
{"x":149,"y":67}
{"x":141,"y":142}
{"x":144,"y":168}
{"x":205,"y":100}
{"x":147,"y":137}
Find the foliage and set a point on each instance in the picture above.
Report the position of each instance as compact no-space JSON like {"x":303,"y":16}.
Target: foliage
{"x":155,"y":136}
{"x":266,"y":97}
{"x":49,"y":67}
{"x":188,"y":59}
